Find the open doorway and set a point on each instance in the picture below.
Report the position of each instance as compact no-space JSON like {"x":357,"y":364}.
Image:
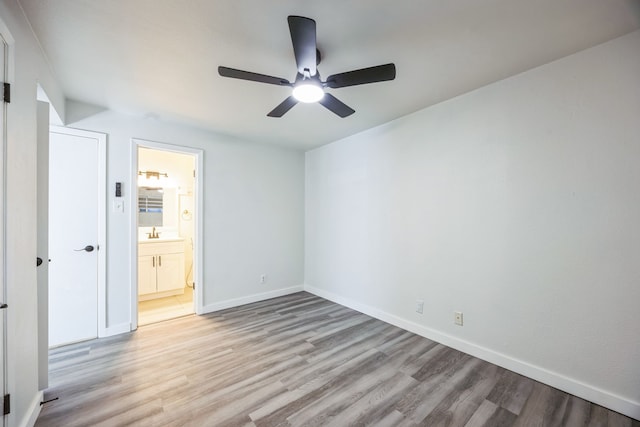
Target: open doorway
{"x":166,"y":217}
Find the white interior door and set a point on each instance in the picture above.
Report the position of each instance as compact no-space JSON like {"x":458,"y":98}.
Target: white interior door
{"x":74,"y":219}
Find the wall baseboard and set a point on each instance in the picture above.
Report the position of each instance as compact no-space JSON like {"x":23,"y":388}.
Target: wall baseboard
{"x":235,"y":302}
{"x":554,"y":379}
{"x":121,"y":328}
{"x":34,"y":410}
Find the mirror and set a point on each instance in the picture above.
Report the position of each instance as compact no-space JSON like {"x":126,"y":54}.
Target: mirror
{"x":157,"y":207}
{"x":150,"y":206}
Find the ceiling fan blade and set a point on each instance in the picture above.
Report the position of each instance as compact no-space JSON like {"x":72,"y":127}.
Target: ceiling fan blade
{"x":303,"y":38}
{"x":362,"y":76}
{"x":284,"y":106}
{"x":254,"y":77}
{"x":334,"y":104}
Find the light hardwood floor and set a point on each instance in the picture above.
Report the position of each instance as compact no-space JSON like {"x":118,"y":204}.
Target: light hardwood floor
{"x":297,"y":360}
{"x":161,"y":309}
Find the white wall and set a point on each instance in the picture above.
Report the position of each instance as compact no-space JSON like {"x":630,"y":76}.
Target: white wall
{"x":253,"y":212}
{"x":517,"y":204}
{"x":27,"y":68}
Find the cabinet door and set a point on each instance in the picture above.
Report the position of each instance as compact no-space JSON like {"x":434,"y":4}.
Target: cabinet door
{"x":170,"y":269}
{"x":146,"y":274}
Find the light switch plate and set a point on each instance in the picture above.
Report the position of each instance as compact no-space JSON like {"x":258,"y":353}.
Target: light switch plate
{"x":118,"y":205}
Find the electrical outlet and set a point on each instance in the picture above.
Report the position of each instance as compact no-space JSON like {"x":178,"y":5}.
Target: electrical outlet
{"x":457,"y":318}
{"x":419,"y":306}
{"x":263,"y":278}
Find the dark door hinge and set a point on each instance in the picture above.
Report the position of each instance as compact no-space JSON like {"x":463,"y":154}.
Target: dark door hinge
{"x":6,"y":404}
{"x":7,"y":93}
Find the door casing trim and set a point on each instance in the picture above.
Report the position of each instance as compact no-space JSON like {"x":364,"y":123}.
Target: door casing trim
{"x":198,"y":225}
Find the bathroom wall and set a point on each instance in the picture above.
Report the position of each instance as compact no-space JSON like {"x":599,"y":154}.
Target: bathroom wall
{"x":180,"y":168}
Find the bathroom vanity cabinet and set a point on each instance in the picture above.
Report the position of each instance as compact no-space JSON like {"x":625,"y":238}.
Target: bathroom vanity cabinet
{"x":160,"y":268}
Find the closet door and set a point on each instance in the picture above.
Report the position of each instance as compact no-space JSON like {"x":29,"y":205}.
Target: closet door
{"x":76,"y":234}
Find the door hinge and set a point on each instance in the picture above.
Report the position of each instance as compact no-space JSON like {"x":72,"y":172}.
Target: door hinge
{"x":194,"y":173}
{"x":6,"y":404}
{"x":7,"y":93}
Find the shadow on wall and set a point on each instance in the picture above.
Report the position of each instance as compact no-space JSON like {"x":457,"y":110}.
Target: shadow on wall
{"x":77,"y":110}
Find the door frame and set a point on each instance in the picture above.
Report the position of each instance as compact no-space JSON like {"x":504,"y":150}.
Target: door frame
{"x":197,"y":232}
{"x":42,"y":240}
{"x":102,"y":217}
{"x":6,"y":383}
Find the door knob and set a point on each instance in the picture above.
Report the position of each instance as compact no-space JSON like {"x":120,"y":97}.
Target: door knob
{"x":38,"y":262}
{"x":3,"y":305}
{"x":87,"y":248}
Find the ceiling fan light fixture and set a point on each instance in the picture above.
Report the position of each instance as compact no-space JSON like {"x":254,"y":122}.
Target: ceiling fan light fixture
{"x":308,"y":92}
{"x":308,"y":87}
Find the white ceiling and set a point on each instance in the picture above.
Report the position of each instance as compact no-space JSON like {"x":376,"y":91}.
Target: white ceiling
{"x":159,"y":57}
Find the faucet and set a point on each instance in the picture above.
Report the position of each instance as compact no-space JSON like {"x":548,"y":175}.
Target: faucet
{"x":154,"y":234}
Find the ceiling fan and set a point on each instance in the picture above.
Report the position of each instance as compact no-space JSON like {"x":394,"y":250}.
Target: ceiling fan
{"x":308,"y":87}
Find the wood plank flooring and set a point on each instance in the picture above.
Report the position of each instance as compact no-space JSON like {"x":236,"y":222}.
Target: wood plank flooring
{"x":297,"y":360}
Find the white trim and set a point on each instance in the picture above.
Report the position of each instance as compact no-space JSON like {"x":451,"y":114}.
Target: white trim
{"x":121,"y":328}
{"x":554,"y":379}
{"x":34,"y":410}
{"x":133,"y":237}
{"x":102,"y":217}
{"x":198,"y":246}
{"x":10,"y":41}
{"x":7,"y":380}
{"x":235,"y":302}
